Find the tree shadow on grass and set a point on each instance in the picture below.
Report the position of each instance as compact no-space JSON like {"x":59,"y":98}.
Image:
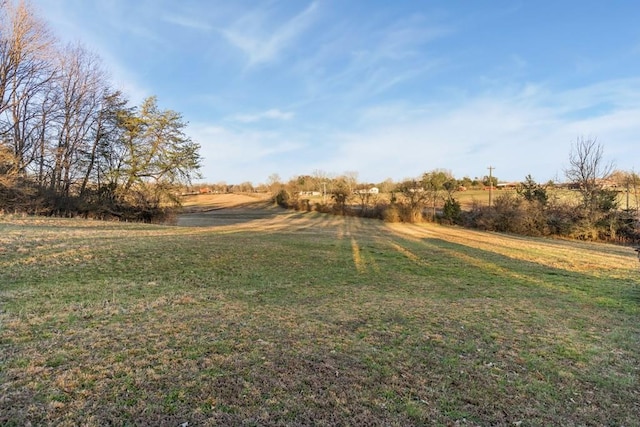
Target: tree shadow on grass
{"x":597,"y":289}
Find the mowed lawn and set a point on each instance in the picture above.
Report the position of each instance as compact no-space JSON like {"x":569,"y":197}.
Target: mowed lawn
{"x":250,"y":316}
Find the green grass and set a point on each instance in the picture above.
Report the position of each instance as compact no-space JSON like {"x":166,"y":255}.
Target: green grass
{"x":310,"y":319}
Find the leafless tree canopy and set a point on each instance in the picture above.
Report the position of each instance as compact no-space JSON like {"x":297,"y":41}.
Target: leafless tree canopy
{"x":587,"y":168}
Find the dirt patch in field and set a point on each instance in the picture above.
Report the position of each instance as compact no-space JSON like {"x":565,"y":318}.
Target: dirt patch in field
{"x":227,"y":209}
{"x":207,"y":202}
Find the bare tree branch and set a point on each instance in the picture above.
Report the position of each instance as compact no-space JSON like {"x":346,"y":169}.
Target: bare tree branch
{"x":588,"y":169}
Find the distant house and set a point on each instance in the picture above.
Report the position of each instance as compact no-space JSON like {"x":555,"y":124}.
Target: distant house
{"x":599,"y":183}
{"x":372,"y":190}
{"x":507,"y":185}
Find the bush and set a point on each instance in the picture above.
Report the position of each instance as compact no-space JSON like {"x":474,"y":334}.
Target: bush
{"x":628,"y":228}
{"x":20,"y":196}
{"x":534,"y":219}
{"x":584,"y":230}
{"x":300,"y":204}
{"x":451,"y":212}
{"x":323,"y":208}
{"x":375,"y":212}
{"x":620,"y":227}
{"x":509,"y":214}
{"x":282,"y":198}
{"x":409,"y":214}
{"x":391,"y":213}
{"x":562,"y":218}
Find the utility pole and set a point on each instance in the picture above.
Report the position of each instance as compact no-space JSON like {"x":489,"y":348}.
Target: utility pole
{"x":491,"y":168}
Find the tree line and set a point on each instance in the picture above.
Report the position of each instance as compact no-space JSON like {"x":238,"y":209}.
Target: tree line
{"x":604,"y":203}
{"x":71,"y":144}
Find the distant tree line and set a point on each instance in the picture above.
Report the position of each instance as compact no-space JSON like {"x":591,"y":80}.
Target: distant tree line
{"x":599,"y":213}
{"x":537,"y":209}
{"x":72,"y":145}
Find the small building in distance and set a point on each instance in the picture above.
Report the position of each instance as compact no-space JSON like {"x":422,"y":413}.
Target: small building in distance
{"x":507,"y":185}
{"x":372,"y":190}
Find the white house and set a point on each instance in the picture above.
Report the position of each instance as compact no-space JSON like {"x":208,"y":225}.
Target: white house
{"x":372,"y":190}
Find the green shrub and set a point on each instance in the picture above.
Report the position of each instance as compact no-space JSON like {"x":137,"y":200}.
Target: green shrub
{"x":451,"y":211}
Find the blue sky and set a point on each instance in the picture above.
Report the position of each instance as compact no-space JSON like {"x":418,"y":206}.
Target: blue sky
{"x":389,"y":89}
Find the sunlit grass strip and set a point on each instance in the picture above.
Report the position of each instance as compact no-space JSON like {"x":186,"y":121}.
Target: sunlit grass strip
{"x":357,"y":258}
{"x":404,"y":251}
{"x":590,"y":258}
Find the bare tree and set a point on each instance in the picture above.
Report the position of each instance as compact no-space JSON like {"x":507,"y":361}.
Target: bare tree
{"x":274,"y":183}
{"x":414,"y":197}
{"x":366,"y":197}
{"x":26,"y":71}
{"x":386,"y":186}
{"x":104,"y":157}
{"x":351,"y":179}
{"x":587,"y":170}
{"x":81,"y":85}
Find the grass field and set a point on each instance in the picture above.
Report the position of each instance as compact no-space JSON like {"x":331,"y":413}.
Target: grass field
{"x":253,"y":315}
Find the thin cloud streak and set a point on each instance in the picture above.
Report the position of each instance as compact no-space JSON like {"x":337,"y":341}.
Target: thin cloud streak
{"x":261,"y":49}
{"x":188,"y":22}
{"x":353,"y":64}
{"x":272,"y":114}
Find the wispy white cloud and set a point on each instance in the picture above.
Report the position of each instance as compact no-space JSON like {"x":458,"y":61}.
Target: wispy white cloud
{"x":187,"y":22}
{"x":237,"y":155}
{"x":272,"y":114}
{"x":262,"y":45}
{"x":130,"y":20}
{"x":405,"y":38}
{"x":518,"y":61}
{"x":520,"y":132}
{"x":355,"y":61}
